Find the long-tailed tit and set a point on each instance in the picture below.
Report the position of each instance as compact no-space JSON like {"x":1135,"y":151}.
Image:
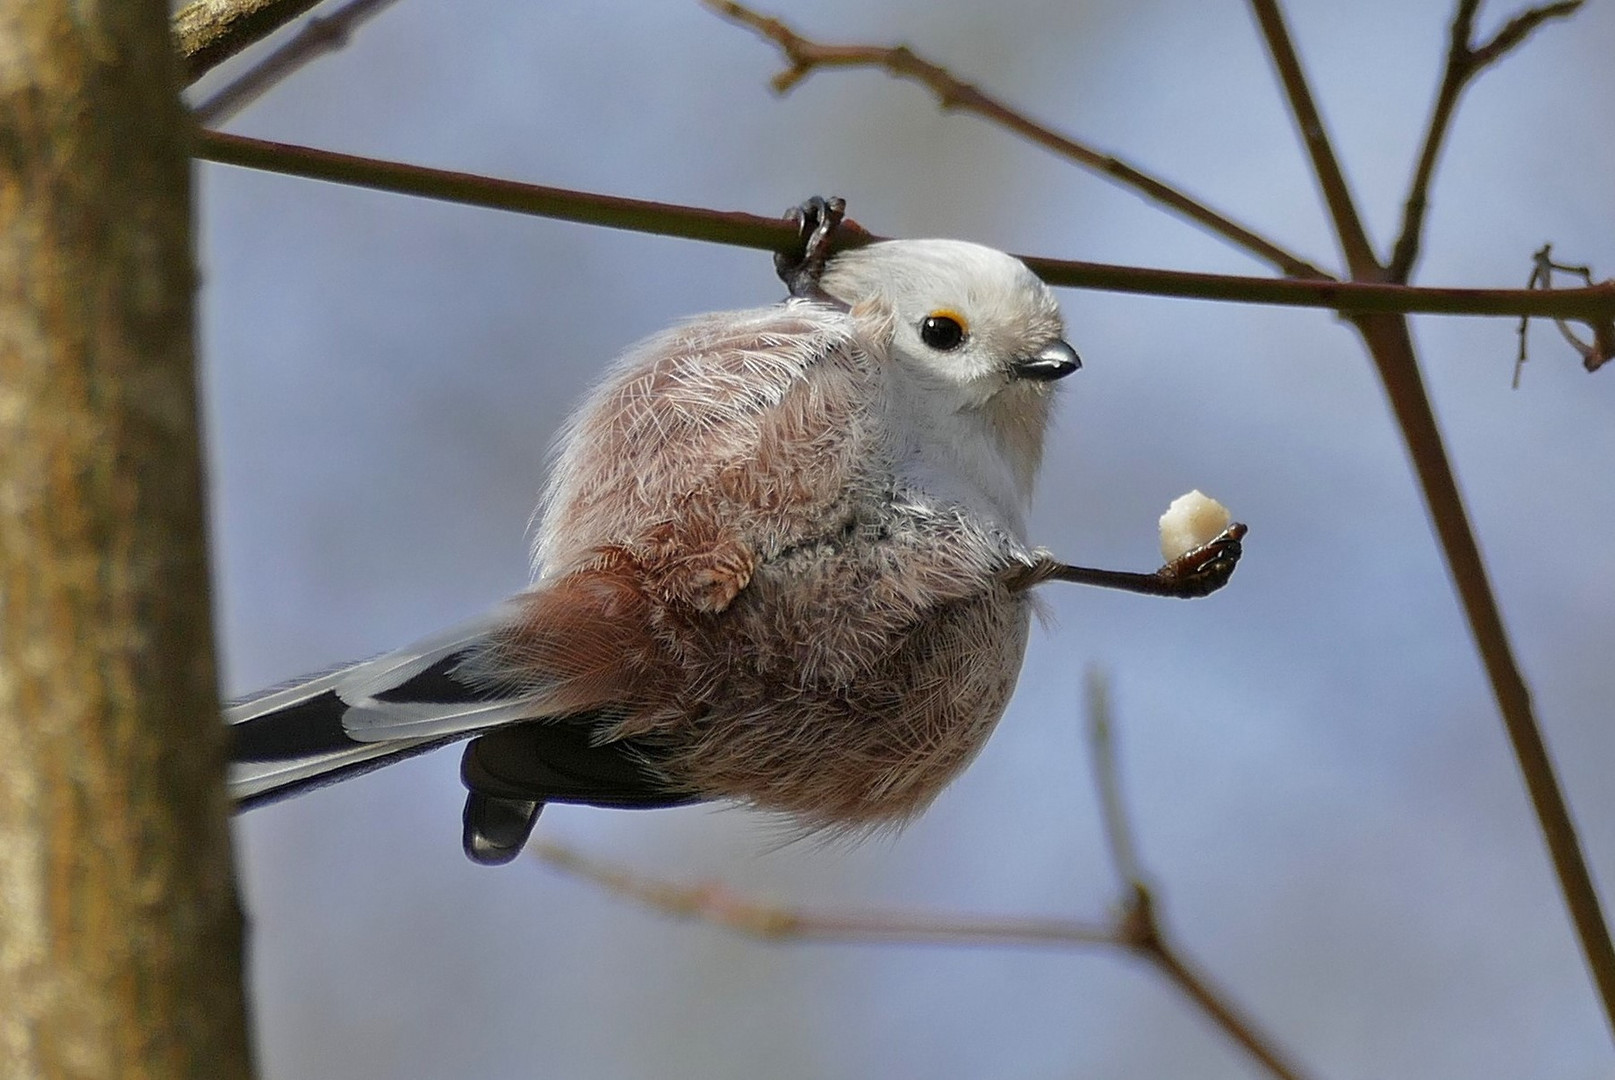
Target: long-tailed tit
{"x":781,"y":560}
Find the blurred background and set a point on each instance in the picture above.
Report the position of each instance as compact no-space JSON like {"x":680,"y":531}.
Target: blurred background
{"x":1320,"y":783}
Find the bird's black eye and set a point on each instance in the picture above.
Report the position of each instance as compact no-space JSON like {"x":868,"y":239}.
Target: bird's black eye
{"x":943,"y":331}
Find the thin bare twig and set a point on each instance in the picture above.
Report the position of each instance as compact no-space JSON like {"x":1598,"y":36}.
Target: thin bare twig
{"x":319,"y":36}
{"x":1465,"y":60}
{"x":805,"y":56}
{"x":715,"y":903}
{"x":774,"y":234}
{"x":638,"y":215}
{"x":1391,"y":346}
{"x":1138,"y":922}
{"x":209,"y":32}
{"x":1325,"y":166}
{"x":1595,"y":353}
{"x":1107,"y":782}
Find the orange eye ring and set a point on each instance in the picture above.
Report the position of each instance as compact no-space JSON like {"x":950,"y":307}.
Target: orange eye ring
{"x":944,"y":329}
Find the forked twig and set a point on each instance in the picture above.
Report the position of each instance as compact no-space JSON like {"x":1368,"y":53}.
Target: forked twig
{"x":1465,"y":60}
{"x":1595,"y":353}
{"x":1135,"y":925}
{"x":1391,"y":345}
{"x":1138,"y":922}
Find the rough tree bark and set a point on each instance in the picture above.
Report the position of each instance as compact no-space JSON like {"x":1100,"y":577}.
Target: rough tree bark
{"x":119,"y":931}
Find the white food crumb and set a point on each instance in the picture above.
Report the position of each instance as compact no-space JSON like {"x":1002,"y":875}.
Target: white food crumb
{"x":1192,"y":520}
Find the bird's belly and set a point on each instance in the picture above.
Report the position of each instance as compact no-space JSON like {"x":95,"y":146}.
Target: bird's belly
{"x":849,"y":708}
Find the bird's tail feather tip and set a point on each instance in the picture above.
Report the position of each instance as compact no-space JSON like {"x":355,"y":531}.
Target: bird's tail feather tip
{"x":496,"y":828}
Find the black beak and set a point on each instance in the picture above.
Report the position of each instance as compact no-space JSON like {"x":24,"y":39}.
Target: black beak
{"x":1055,"y":362}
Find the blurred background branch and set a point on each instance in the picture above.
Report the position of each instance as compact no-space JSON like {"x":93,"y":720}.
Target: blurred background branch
{"x":1134,"y":926}
{"x":1465,"y":60}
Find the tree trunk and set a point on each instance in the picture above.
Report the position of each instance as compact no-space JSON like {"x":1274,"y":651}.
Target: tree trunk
{"x":119,"y":931}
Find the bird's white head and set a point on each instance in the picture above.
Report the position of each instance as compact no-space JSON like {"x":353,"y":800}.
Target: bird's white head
{"x":978,"y":332}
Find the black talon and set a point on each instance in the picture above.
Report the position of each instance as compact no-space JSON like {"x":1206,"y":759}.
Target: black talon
{"x":816,"y":221}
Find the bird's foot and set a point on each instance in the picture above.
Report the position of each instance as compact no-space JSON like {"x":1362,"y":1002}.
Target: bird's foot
{"x":817,"y":222}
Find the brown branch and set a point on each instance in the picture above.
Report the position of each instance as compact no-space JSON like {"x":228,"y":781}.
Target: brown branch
{"x":1465,"y":60}
{"x":1391,"y":346}
{"x":209,"y":32}
{"x":637,"y":215}
{"x":806,"y":56}
{"x":317,"y":37}
{"x":1389,"y":341}
{"x":774,"y":234}
{"x":1325,"y":166}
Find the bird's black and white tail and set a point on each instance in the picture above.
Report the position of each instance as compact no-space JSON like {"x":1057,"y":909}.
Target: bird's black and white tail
{"x":348,"y":721}
{"x":290,"y":739}
{"x":328,"y":727}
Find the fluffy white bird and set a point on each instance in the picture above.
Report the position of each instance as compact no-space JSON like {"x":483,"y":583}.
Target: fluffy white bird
{"x":781,"y":560}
